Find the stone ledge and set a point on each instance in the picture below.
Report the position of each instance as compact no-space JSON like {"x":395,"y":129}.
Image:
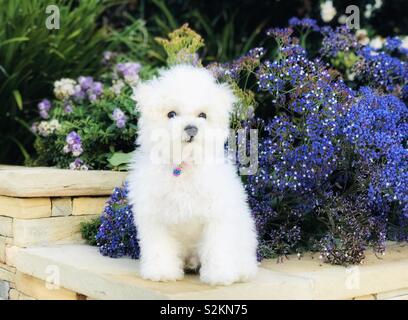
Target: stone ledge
{"x":45,"y":182}
{"x":55,"y":230}
{"x":25,"y":208}
{"x":83,"y":270}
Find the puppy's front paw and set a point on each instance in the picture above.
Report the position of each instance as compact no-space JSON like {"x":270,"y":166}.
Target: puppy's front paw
{"x":158,"y":272}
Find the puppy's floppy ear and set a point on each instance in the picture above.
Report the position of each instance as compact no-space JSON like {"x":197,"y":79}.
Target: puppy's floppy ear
{"x":226,"y":97}
{"x":143,"y":95}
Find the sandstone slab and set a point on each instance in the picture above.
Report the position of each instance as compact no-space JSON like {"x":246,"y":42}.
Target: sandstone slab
{"x":48,"y":231}
{"x":46,"y":182}
{"x":4,"y":241}
{"x":85,"y":271}
{"x":11,"y":253}
{"x":6,"y":274}
{"x":6,"y":226}
{"x":61,"y":207}
{"x":40,"y":289}
{"x":4,"y":289}
{"x":25,"y":208}
{"x":88,"y":205}
{"x":17,"y":295}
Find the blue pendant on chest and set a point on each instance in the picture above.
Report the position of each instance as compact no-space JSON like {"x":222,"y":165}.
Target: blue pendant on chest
{"x":177,"y":171}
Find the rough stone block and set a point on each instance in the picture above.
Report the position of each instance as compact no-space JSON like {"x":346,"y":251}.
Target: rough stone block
{"x":39,"y":289}
{"x":46,"y":182}
{"x":4,"y":289}
{"x":6,"y":274}
{"x":48,"y":231}
{"x":61,"y":207}
{"x":392,"y":294}
{"x":11,"y":253}
{"x":6,"y":226}
{"x":25,"y":208}
{"x":88,"y":205}
{"x":17,"y":295}
{"x":13,"y":294}
{"x":3,"y":249}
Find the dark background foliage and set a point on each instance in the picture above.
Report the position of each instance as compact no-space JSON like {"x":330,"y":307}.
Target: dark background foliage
{"x":230,"y":28}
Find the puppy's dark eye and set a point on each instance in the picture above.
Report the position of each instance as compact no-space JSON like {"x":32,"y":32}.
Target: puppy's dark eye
{"x":171,"y":114}
{"x":202,"y":115}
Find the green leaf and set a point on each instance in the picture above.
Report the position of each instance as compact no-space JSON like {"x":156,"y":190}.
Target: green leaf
{"x":120,"y":159}
{"x":18,"y":98}
{"x":16,"y":39}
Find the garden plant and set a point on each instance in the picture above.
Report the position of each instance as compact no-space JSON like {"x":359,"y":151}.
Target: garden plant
{"x":332,"y":173}
{"x":329,"y":104}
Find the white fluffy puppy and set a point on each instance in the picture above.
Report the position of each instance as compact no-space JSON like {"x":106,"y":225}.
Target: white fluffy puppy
{"x":189,"y":212}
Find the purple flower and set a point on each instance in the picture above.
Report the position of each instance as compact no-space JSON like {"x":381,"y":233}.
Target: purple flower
{"x":79,"y":94}
{"x":85,"y":82}
{"x":129,"y":71}
{"x":68,"y":107}
{"x":74,"y":144}
{"x":89,"y":88}
{"x":73,"y":138}
{"x":305,"y":23}
{"x":97,"y":88}
{"x":120,"y":118}
{"x":44,"y":106}
{"x":128,"y":68}
{"x":78,"y":164}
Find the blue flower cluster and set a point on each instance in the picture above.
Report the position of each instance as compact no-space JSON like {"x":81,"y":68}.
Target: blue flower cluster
{"x":385,"y":68}
{"x":302,"y":144}
{"x":333,"y":161}
{"x":377,"y":129}
{"x":305,"y":23}
{"x":117,"y":235}
{"x":381,"y":70}
{"x":337,"y":40}
{"x":354,"y":229}
{"x":322,"y":140}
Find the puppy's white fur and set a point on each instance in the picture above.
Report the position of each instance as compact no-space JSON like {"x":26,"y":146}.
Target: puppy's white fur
{"x":200,"y":218}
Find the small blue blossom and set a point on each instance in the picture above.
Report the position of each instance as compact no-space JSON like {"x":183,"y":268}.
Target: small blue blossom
{"x":119,"y":117}
{"x":117,"y":235}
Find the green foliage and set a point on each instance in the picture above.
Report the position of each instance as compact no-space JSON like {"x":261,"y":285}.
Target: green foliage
{"x":120,"y":160}
{"x":104,"y":143}
{"x":32,"y":57}
{"x":229,"y":30}
{"x":344,"y":61}
{"x":89,"y":229}
{"x":182,"y":45}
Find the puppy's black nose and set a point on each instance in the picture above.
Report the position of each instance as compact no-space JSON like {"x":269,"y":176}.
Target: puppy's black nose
{"x":191,"y":130}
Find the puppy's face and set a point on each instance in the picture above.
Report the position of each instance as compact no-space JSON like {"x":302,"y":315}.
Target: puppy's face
{"x":184,"y":107}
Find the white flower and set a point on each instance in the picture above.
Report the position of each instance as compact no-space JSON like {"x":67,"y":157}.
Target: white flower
{"x":369,"y":8}
{"x":54,"y":125}
{"x":377,"y":42}
{"x":64,"y":88}
{"x":132,"y":79}
{"x":404,"y":43}
{"x":117,"y":86}
{"x":327,"y":11}
{"x":45,"y":128}
{"x":362,"y":37}
{"x":342,"y":19}
{"x":351,"y":76}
